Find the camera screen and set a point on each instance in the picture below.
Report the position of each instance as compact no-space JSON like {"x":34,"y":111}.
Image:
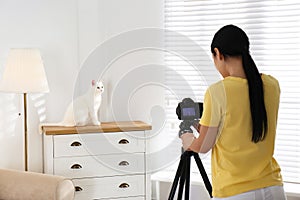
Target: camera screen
{"x":188,"y":112}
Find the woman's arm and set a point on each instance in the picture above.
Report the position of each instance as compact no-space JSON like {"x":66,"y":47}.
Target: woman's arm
{"x":206,"y":139}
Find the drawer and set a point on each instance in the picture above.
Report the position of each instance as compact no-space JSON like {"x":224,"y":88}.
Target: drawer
{"x":110,"y":187}
{"x":102,"y":165}
{"x":99,"y":143}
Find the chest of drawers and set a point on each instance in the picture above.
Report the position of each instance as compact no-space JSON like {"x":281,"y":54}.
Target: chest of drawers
{"x":104,"y":162}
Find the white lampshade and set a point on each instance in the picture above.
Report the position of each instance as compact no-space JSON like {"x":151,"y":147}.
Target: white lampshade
{"x":24,"y":72}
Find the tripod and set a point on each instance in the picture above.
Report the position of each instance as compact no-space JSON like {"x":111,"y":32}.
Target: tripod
{"x":183,"y":174}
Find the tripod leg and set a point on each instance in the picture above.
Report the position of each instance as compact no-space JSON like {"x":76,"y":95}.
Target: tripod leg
{"x":182,"y":177}
{"x":203,"y":173}
{"x":187,"y":177}
{"x":176,"y":179}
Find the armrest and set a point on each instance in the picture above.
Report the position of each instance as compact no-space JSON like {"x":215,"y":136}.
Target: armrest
{"x":17,"y":185}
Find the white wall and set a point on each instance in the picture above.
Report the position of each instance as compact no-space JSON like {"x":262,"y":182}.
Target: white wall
{"x":66,"y":32}
{"x":50,"y":26}
{"x":132,"y":72}
{"x":104,"y":22}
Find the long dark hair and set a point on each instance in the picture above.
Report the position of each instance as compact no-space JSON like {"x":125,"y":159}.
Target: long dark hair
{"x":233,"y":41}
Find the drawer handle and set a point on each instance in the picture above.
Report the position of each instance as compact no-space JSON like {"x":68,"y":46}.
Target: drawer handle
{"x":76,"y":166}
{"x":78,"y":189}
{"x":124,"y":185}
{"x":75,"y":144}
{"x":123,"y":141}
{"x":124,"y":163}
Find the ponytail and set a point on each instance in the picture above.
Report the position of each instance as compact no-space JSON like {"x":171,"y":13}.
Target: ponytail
{"x":256,"y":95}
{"x":233,"y":41}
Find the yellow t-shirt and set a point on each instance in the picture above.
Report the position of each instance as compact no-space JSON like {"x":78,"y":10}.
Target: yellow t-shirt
{"x":238,"y":164}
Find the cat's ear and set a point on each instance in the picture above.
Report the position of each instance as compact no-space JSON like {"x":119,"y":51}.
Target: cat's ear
{"x":93,"y":82}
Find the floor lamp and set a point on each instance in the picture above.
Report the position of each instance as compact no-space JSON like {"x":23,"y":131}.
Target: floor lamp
{"x":24,"y":73}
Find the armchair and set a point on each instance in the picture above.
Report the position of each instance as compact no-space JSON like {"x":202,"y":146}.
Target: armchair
{"x":19,"y":185}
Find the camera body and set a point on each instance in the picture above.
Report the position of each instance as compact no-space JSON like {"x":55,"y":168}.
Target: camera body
{"x":190,"y":112}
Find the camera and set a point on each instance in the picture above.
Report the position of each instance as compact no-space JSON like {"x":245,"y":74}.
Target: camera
{"x":190,"y":112}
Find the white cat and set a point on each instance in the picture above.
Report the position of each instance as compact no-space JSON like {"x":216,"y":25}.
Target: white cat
{"x":84,"y":109}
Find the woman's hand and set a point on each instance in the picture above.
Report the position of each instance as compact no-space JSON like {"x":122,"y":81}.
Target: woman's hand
{"x":187,"y":140}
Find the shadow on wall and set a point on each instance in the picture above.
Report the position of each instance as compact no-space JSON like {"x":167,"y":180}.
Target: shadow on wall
{"x":39,"y":103}
{"x":36,"y":115}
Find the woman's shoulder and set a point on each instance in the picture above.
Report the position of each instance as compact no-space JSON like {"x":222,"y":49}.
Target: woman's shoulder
{"x":266,"y":78}
{"x":217,"y":88}
{"x":270,"y":81}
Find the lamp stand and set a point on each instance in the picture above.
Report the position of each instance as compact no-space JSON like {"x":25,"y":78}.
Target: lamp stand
{"x":25,"y":132}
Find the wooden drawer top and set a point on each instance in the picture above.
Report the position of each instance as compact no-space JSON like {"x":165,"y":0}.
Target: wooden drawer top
{"x":105,"y":127}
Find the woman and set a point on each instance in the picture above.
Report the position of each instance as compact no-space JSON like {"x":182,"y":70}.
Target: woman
{"x":239,"y":123}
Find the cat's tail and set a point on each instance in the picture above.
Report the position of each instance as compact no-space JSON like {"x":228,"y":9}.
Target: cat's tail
{"x":68,"y":119}
{"x":67,"y":123}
